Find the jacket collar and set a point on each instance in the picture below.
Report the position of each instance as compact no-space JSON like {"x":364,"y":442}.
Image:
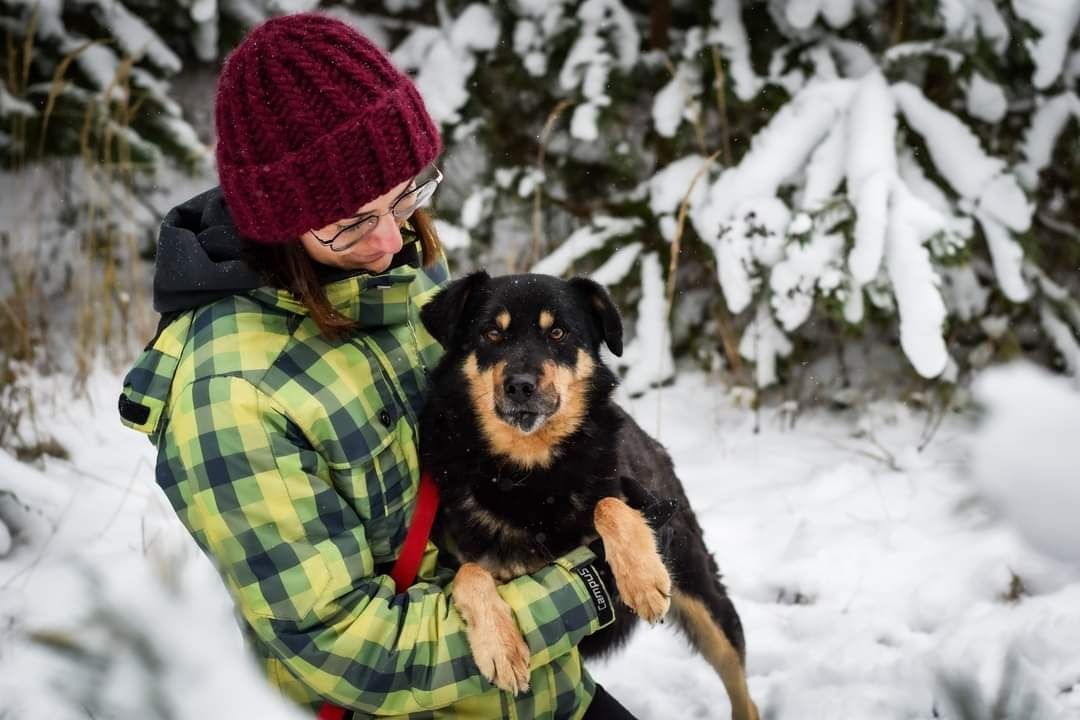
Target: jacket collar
{"x":369,"y":300}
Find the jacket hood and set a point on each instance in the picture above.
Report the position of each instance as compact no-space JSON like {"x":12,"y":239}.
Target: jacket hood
{"x":199,"y":256}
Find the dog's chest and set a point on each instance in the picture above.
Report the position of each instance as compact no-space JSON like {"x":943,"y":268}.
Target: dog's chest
{"x":512,"y":529}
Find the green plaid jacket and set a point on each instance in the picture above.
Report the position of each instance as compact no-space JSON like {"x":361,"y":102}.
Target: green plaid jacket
{"x":292,"y":460}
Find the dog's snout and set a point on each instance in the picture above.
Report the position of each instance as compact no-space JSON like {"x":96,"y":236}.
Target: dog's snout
{"x":520,"y":387}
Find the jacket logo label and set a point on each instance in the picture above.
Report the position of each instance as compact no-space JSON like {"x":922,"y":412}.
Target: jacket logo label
{"x":599,"y":594}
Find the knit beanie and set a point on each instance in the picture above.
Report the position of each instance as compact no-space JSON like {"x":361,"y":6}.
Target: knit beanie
{"x":313,"y":122}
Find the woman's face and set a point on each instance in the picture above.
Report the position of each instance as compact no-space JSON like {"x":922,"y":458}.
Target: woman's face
{"x":375,"y":251}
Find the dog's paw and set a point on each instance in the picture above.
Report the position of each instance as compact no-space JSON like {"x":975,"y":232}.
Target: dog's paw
{"x":501,"y":654}
{"x":630,"y":547}
{"x":497,"y":645}
{"x":647,"y":591}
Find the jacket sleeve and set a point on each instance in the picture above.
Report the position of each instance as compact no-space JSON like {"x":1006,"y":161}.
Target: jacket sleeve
{"x":294,"y":556}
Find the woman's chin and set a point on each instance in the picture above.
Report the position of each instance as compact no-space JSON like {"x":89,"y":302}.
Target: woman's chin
{"x":378,"y":265}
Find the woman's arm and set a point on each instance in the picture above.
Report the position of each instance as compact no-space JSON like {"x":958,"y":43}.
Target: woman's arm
{"x":294,"y":556}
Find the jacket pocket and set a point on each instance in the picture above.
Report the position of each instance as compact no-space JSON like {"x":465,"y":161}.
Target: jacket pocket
{"x":382,"y":489}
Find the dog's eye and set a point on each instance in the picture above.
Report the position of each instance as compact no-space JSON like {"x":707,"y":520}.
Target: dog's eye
{"x":557,"y":334}
{"x":492,"y":335}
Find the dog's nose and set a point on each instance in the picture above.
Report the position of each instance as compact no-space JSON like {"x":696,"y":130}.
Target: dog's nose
{"x":520,"y":387}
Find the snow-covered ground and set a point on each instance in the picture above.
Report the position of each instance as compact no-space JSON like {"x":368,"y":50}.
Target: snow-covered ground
{"x":866,"y":573}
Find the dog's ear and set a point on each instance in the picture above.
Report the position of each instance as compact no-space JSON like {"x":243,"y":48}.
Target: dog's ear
{"x":442,"y":314}
{"x":604,"y":313}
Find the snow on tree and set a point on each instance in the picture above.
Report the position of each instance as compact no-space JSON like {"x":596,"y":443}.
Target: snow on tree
{"x":902,"y":166}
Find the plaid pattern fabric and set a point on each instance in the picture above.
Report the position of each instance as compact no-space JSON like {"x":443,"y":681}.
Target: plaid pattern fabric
{"x":293,"y":461}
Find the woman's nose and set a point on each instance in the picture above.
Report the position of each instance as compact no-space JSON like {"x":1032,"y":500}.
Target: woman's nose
{"x":386,"y":237}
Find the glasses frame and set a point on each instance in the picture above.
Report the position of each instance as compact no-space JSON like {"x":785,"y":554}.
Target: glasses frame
{"x":432,"y":182}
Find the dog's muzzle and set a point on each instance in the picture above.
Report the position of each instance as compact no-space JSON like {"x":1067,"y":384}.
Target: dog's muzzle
{"x":522,"y":403}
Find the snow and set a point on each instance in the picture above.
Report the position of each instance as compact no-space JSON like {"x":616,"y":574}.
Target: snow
{"x":531,"y":178}
{"x":871,"y":171}
{"x":864,"y":570}
{"x":825,"y":170}
{"x":205,"y":34}
{"x":618,"y":266}
{"x":802,"y":13}
{"x":444,"y":60}
{"x":451,"y":236}
{"x":583,"y":122}
{"x":605,"y":25}
{"x":794,"y":279}
{"x":1032,"y":410}
{"x":669,"y":185}
{"x":960,"y":159}
{"x":730,"y":34}
{"x":957,"y":14}
{"x":135,"y":36}
{"x":537,"y":23}
{"x":476,"y":207}
{"x":754,"y":239}
{"x":985,"y":99}
{"x":778,"y":151}
{"x":1062,"y":338}
{"x":915,"y":285}
{"x":1055,"y":21}
{"x":584,"y":241}
{"x":475,"y":28}
{"x":963,"y":293}
{"x":11,"y":105}
{"x":763,"y":343}
{"x":100,"y":560}
{"x":992,"y":25}
{"x":676,"y":100}
{"x":898,"y":53}
{"x":1047,"y":122}
{"x":100,"y":64}
{"x":612,"y":16}
{"x":1007,"y":257}
{"x":652,"y":340}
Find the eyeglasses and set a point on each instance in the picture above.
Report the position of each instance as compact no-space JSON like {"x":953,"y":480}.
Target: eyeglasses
{"x":402,"y":209}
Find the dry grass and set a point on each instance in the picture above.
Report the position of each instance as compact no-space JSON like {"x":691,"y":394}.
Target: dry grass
{"x":100,"y":310}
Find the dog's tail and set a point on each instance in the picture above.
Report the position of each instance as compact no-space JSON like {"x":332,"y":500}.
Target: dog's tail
{"x":703,"y":628}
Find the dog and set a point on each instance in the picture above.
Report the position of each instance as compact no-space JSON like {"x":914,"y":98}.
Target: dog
{"x":531,"y":455}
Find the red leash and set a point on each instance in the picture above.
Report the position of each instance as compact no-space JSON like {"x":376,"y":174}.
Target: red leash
{"x":408,"y":562}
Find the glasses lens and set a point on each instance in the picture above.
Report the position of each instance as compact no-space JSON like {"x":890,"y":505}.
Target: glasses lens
{"x":354,"y":234}
{"x":409,"y":203}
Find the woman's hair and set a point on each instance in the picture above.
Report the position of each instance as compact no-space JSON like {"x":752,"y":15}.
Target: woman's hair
{"x":288,"y":267}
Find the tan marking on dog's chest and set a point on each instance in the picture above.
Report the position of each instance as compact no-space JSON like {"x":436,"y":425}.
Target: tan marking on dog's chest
{"x":536,"y":449}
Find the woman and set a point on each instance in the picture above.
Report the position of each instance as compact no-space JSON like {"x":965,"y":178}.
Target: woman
{"x":283,"y":388}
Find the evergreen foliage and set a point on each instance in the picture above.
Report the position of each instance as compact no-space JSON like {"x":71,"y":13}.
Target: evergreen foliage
{"x":785,"y":174}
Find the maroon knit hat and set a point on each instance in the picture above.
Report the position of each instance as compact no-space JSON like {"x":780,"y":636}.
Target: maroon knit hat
{"x":313,"y":122}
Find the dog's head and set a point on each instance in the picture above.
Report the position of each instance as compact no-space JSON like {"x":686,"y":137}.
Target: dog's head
{"x":529,"y":348}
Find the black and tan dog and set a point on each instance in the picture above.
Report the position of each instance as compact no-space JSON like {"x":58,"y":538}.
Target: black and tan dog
{"x":530,"y":453}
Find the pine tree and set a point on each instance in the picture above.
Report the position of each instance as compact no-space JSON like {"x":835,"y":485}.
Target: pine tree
{"x":776,"y":176}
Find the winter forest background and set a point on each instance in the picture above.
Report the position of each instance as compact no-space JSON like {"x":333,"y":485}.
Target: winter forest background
{"x":846,"y":238}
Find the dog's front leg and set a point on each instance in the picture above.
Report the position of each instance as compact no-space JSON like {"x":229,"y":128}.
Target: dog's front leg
{"x":630,"y":547}
{"x":497,"y":645}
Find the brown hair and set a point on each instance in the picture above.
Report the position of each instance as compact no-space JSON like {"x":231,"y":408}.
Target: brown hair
{"x":289,"y":267}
